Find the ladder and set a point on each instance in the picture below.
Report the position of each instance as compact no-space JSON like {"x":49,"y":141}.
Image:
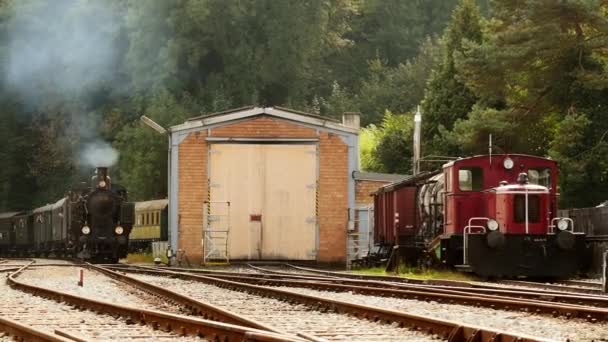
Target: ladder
{"x":216,"y":230}
{"x":359,"y":235}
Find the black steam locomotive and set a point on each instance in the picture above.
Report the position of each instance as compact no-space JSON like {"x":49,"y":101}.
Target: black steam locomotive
{"x":91,"y":223}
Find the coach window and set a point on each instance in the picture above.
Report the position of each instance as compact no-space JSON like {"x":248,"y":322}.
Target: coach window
{"x":533,"y":208}
{"x":540,"y":176}
{"x":470,"y":179}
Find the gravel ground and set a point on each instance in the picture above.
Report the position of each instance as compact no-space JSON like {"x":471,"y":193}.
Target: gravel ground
{"x":292,"y":318}
{"x":28,"y":309}
{"x":96,"y":286}
{"x":559,"y":329}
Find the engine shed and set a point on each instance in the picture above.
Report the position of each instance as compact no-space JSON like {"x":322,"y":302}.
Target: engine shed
{"x":262,"y":184}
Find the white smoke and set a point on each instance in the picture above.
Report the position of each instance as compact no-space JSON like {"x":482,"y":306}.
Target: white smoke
{"x":99,"y":154}
{"x":60,"y":49}
{"x":61,"y":55}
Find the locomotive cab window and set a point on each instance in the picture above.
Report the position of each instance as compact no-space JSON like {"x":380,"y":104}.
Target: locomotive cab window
{"x":519,"y":208}
{"x":540,"y":176}
{"x":470,"y":179}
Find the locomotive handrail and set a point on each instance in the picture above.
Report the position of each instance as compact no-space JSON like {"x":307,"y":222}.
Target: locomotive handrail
{"x":552,"y":226}
{"x":467,"y":231}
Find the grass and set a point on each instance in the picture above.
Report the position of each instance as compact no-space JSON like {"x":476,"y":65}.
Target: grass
{"x":414,"y":273}
{"x":143,"y":258}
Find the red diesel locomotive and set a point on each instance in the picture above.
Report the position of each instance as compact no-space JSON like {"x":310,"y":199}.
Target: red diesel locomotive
{"x":493,"y":215}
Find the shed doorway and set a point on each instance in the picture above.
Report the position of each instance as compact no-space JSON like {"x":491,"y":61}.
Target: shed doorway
{"x":272,"y":193}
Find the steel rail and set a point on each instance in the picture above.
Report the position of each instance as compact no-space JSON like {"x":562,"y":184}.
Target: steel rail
{"x":387,"y":278}
{"x":219,"y":273}
{"x":28,"y":333}
{"x":556,"y":287}
{"x":450,"y":330}
{"x":182,"y":325}
{"x":488,"y":291}
{"x":591,"y":284}
{"x":478,"y":290}
{"x":444,"y":296}
{"x":196,"y":307}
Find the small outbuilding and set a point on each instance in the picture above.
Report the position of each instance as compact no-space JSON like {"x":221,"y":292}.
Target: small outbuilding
{"x":262,"y":184}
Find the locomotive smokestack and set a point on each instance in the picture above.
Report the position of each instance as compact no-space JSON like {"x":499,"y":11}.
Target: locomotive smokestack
{"x":103,"y":180}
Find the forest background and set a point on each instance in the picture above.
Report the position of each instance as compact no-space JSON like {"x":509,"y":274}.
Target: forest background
{"x":76,"y":75}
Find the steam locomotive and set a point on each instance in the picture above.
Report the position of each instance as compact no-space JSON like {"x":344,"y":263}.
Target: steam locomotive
{"x":91,"y":223}
{"x":494,"y":215}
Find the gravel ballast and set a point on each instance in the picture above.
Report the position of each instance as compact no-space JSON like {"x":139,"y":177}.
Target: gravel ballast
{"x":559,"y":329}
{"x":291,"y":318}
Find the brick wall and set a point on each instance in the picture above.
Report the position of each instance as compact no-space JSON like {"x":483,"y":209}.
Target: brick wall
{"x":333,"y":183}
{"x":192,"y":193}
{"x":264,"y":127}
{"x":333,"y":198}
{"x":364,"y":189}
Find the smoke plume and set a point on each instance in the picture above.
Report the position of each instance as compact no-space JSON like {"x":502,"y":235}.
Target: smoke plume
{"x":61,"y":48}
{"x":63,"y":57}
{"x":99,"y":154}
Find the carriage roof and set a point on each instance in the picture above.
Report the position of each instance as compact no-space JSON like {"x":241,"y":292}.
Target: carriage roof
{"x":152,"y":205}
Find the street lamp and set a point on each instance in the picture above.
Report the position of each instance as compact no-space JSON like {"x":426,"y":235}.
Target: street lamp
{"x":163,"y":131}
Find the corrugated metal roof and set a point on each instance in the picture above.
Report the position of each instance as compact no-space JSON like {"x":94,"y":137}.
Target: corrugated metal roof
{"x":226,"y":117}
{"x":44,"y":208}
{"x":408,"y":181}
{"x":228,"y":111}
{"x":379,"y":177}
{"x":59,"y":203}
{"x":151,"y":205}
{"x":9,"y":215}
{"x":234,"y":110}
{"x":321,"y":117}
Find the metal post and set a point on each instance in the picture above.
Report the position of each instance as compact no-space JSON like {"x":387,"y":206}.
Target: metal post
{"x":417,"y":126}
{"x":490,"y":147}
{"x":81,"y":278}
{"x":605,"y":271}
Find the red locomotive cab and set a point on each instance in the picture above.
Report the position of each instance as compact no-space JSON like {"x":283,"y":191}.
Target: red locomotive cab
{"x":522,"y":208}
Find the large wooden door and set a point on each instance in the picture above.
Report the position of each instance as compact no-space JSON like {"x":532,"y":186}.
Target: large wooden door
{"x":271,"y":189}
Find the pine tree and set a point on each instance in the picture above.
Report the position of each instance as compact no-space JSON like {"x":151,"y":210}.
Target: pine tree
{"x":447,"y":98}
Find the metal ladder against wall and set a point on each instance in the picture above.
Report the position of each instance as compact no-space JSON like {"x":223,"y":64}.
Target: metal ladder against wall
{"x":359,"y":237}
{"x":216,"y":231}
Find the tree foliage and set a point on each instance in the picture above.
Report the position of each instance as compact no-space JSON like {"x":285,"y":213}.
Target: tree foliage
{"x":533,"y":73}
{"x":540,"y":74}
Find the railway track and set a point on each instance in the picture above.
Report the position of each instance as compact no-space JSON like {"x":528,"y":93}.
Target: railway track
{"x":497,"y":298}
{"x":443,"y":328}
{"x":569,"y":306}
{"x":81,"y":318}
{"x":581,"y":289}
{"x":571,"y":286}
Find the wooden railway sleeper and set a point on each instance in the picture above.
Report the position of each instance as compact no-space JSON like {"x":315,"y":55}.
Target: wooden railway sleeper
{"x":436,"y":326}
{"x":494,"y":302}
{"x":156,"y":318}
